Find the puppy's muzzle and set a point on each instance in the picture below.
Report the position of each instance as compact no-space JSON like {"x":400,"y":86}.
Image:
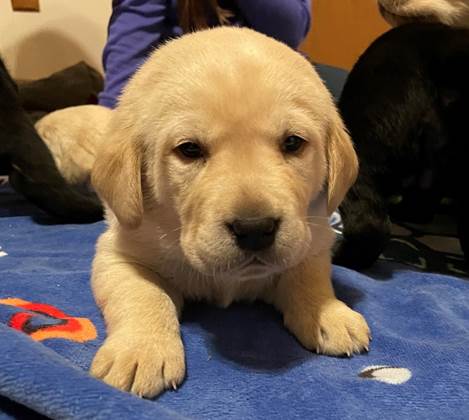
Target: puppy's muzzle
{"x":254,"y":234}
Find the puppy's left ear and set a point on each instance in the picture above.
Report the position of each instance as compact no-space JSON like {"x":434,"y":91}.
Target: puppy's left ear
{"x":342,"y":164}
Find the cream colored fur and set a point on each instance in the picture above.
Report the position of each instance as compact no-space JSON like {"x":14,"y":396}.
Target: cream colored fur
{"x":73,"y":136}
{"x":450,"y":12}
{"x":239,"y":94}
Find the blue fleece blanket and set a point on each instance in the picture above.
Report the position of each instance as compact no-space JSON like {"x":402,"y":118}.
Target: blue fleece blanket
{"x":241,"y":362}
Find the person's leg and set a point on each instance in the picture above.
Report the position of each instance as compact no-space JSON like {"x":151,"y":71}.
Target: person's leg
{"x":75,"y":85}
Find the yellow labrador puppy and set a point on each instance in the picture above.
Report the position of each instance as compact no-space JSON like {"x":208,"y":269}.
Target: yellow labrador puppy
{"x":450,"y":12}
{"x":73,"y":135}
{"x":219,"y":144}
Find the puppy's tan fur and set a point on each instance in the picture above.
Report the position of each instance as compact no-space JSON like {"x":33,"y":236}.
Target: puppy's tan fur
{"x":73,"y":136}
{"x":239,"y":94}
{"x":449,"y":12}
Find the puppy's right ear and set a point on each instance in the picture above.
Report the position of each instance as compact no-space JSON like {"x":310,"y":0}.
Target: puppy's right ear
{"x":342,"y":163}
{"x":116,"y":177}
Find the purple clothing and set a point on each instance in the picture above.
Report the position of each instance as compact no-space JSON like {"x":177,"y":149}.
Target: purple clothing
{"x":136,"y":27}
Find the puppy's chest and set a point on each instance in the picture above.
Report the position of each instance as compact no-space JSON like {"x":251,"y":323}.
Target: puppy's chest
{"x":217,"y":290}
{"x":223,"y":292}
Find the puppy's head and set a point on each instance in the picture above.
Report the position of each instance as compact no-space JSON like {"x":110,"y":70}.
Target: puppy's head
{"x":227,"y":136}
{"x":450,"y":12}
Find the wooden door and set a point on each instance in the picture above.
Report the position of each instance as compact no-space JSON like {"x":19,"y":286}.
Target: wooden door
{"x":342,"y":29}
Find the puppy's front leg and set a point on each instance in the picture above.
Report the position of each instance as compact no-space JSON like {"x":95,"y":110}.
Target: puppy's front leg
{"x":314,"y":315}
{"x":143,"y":352}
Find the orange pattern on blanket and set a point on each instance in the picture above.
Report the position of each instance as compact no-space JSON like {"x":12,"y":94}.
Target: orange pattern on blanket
{"x":32,"y":321}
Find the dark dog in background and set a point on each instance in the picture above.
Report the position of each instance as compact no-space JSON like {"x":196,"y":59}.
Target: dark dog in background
{"x":30,"y":165}
{"x":406,"y":105}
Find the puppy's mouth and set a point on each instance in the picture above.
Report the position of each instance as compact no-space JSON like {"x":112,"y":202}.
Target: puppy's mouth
{"x":253,"y":262}
{"x":254,"y":267}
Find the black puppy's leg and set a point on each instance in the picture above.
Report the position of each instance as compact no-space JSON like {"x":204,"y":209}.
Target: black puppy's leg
{"x":35,"y":175}
{"x":366,"y":226}
{"x":31,"y":166}
{"x":463,"y":222}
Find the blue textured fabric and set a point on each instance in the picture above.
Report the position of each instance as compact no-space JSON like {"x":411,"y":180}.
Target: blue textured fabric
{"x":241,"y":362}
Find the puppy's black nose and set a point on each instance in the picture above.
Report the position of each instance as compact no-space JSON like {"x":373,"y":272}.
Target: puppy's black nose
{"x":254,"y":234}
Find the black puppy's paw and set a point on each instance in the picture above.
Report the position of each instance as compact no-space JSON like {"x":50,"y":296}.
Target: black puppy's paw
{"x":360,"y":251}
{"x":464,"y":241}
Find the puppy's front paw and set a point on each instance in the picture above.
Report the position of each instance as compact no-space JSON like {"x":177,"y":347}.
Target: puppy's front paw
{"x":332,"y":329}
{"x":145,"y":366}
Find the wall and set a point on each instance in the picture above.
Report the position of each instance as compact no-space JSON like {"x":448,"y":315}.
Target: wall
{"x":342,"y":30}
{"x":64,"y":32}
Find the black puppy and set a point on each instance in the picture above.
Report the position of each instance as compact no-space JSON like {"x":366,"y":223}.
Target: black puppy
{"x":30,"y":165}
{"x":406,"y":105}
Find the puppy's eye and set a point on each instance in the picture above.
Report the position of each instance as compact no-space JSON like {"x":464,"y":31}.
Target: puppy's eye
{"x":190,"y":150}
{"x":292,"y":144}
